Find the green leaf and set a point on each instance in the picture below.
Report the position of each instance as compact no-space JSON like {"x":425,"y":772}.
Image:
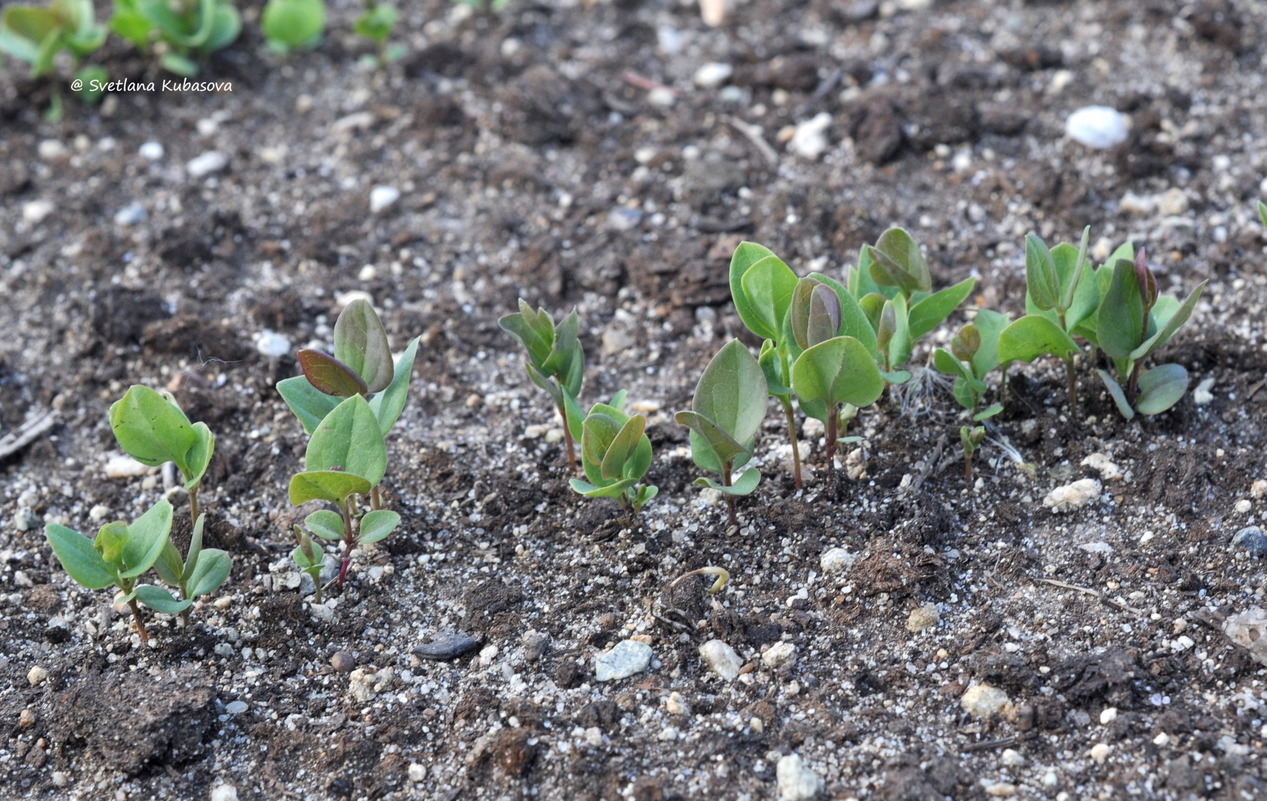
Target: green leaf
{"x":198,"y":457}
{"x":160,"y":600}
{"x":933,"y":310}
{"x":772,"y":361}
{"x":1172,"y":324}
{"x":295,"y":24}
{"x":388,"y":404}
{"x":311,"y":405}
{"x":211,"y":571}
{"x":326,"y":485}
{"x":79,"y":557}
{"x":815,"y":313}
{"x":589,"y":490}
{"x":1161,"y":388}
{"x":989,"y":325}
{"x":91,"y":78}
{"x":378,"y":524}
{"x":732,"y":392}
{"x":1262,"y":212}
{"x":377,"y":23}
{"x":947,"y":364}
{"x":170,"y":567}
{"x":743,"y":485}
{"x":622,"y":449}
{"x":152,"y":428}
{"x":131,"y":26}
{"x":1033,"y":336}
{"x":1040,"y":274}
{"x":349,"y":439}
{"x":707,"y":434}
{"x":1120,"y":322}
{"x":987,"y":412}
{"x":1071,"y":264}
{"x":897,"y":261}
{"x":195,"y":549}
{"x":745,"y":256}
{"x":767,"y":289}
{"x":147,"y":536}
{"x":306,"y":562}
{"x":837,"y":371}
{"x":226,"y":24}
{"x":178,"y":65}
{"x":536,"y":335}
{"x":329,"y":375}
{"x":325,"y":524}
{"x":360,"y":342}
{"x":1115,"y":392}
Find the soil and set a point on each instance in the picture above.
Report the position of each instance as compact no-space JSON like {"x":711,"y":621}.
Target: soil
{"x":532,"y":159}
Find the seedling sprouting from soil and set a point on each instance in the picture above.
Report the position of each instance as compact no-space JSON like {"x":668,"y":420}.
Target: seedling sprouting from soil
{"x":721,"y":574}
{"x":310,"y":557}
{"x":188,"y":30}
{"x":152,"y":429}
{"x":376,"y":23}
{"x":344,"y":463}
{"x":202,"y":570}
{"x":974,"y":352}
{"x":615,"y":455}
{"x":120,"y":553}
{"x":291,"y":25}
{"x":36,"y":35}
{"x":556,"y":363}
{"x":727,"y":410}
{"x":835,"y":372}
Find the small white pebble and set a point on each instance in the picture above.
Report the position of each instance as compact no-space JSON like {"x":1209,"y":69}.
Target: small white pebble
{"x":210,"y":162}
{"x":51,"y":149}
{"x":152,"y":151}
{"x":37,"y":676}
{"x":1099,"y":127}
{"x":1012,"y":758}
{"x":1100,"y":752}
{"x":125,"y":467}
{"x":236,"y":707}
{"x":36,"y":211}
{"x":417,"y":772}
{"x":1001,"y":790}
{"x":1108,"y":715}
{"x":272,"y":344}
{"x":224,"y":792}
{"x":1162,"y":739}
{"x":1243,"y":506}
{"x":1202,"y":395}
{"x":382,"y":198}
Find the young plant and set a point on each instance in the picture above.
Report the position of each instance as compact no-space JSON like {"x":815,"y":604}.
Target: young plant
{"x":1132,"y":323}
{"x":344,"y":463}
{"x":376,"y":24}
{"x":1262,"y":212}
{"x":361,"y":366}
{"x":182,"y":32}
{"x":1061,"y":295}
{"x":119,"y":554}
{"x":203,"y":570}
{"x":971,"y":438}
{"x":152,"y":429}
{"x":291,"y":25}
{"x":615,"y":455}
{"x":974,"y":352}
{"x":556,"y":363}
{"x":36,"y":35}
{"x":727,"y":410}
{"x":310,"y":558}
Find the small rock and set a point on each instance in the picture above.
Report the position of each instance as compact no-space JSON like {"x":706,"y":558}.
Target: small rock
{"x":779,"y":655}
{"x":535,"y":645}
{"x":1072,"y":496}
{"x":674,"y":704}
{"x":131,"y":214}
{"x":1243,"y":506}
{"x":624,"y":660}
{"x":922,"y":617}
{"x":1100,"y":752}
{"x":51,"y":150}
{"x":152,"y":151}
{"x":1012,"y":758}
{"x":361,"y":685}
{"x":1173,"y":202}
{"x":224,"y":792}
{"x":662,"y":96}
{"x":236,"y":707}
{"x":721,"y":659}
{"x":1248,"y":630}
{"x":624,"y":219}
{"x":25,"y":520}
{"x":60,"y":778}
{"x":1001,"y":790}
{"x":616,"y":340}
{"x":1099,"y":127}
{"x":1201,"y":396}
{"x":417,"y":772}
{"x":837,"y":560}
{"x":125,"y":467}
{"x":272,"y":344}
{"x":36,"y":211}
{"x":809,"y":141}
{"x":356,"y":121}
{"x":1108,"y":715}
{"x":447,"y":645}
{"x":1101,"y":463}
{"x":982,"y":701}
{"x":1252,"y":539}
{"x":26,"y":718}
{"x":210,"y":162}
{"x":488,"y":654}
{"x":796,"y":781}
{"x":1258,"y":489}
{"x":343,"y":662}
{"x":382,"y":198}
{"x":1099,"y":546}
{"x":712,"y":75}
{"x":37,"y":676}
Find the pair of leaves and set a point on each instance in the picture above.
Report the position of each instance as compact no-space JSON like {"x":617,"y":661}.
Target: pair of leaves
{"x":36,"y":35}
{"x":1057,"y":279}
{"x":615,"y":454}
{"x":761,"y":287}
{"x":374,"y":525}
{"x":974,"y":352}
{"x":376,"y":23}
{"x":1159,"y":389}
{"x":311,"y":405}
{"x":362,"y":361}
{"x":726,"y":412}
{"x":896,"y":261}
{"x":836,"y":371}
{"x":346,"y":455}
{"x":203,"y":570}
{"x":1129,"y":325}
{"x":556,"y":360}
{"x":293,"y":24}
{"x":152,"y":429}
{"x":120,"y":552}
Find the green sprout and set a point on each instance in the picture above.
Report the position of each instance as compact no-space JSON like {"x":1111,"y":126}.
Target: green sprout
{"x":203,"y":570}
{"x":1262,"y":212}
{"x":376,"y":24}
{"x":120,"y":553}
{"x":37,"y":35}
{"x":726,"y":411}
{"x":310,"y":558}
{"x":344,"y":463}
{"x":974,"y":352}
{"x":615,"y":455}
{"x":291,"y":25}
{"x":182,"y":32}
{"x":152,"y":429}
{"x":556,"y":363}
{"x":835,"y":372}
{"x":971,"y":438}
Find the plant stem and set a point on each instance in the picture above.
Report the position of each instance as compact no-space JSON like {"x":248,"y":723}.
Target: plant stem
{"x":349,"y":541}
{"x":136,"y":618}
{"x":967,"y":465}
{"x":567,"y":439}
{"x":376,"y":498}
{"x":832,"y":435}
{"x":193,"y":504}
{"x":786,"y":403}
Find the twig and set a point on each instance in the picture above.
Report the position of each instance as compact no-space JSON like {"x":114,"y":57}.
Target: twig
{"x":1088,"y":591}
{"x":753,"y":133}
{"x":26,"y":434}
{"x":645,"y":83}
{"x":990,"y":745}
{"x":930,"y":462}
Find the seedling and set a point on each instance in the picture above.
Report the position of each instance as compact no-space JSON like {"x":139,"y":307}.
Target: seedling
{"x":1133,"y":321}
{"x":1262,"y":212}
{"x":376,"y":24}
{"x":344,"y":463}
{"x":36,"y":35}
{"x":120,"y":553}
{"x":310,"y":557}
{"x":1061,"y":295}
{"x":615,"y":455}
{"x":974,"y":352}
{"x":721,"y":574}
{"x":556,"y":363}
{"x":727,"y":410}
{"x":971,"y":438}
{"x":152,"y":429}
{"x":833,"y":373}
{"x":182,"y":32}
{"x":203,"y":570}
{"x":291,"y":25}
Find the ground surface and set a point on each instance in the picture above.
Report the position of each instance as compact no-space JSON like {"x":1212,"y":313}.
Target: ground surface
{"x":533,"y":161}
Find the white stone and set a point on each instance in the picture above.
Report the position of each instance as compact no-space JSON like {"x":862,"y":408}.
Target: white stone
{"x":1100,"y":752}
{"x":37,"y":676}
{"x":383,"y":197}
{"x":1258,"y":489}
{"x":982,"y":701}
{"x":1101,"y":463}
{"x":224,"y":792}
{"x":922,"y":617}
{"x":125,"y":467}
{"x":1243,"y":506}
{"x":361,"y":685}
{"x":346,"y":299}
{"x":796,"y":781}
{"x":51,"y":149}
{"x":1173,"y":202}
{"x":153,"y":151}
{"x":207,"y":163}
{"x":837,"y":560}
{"x":809,"y":141}
{"x":721,"y":659}
{"x":1108,"y":715}
{"x":35,"y":212}
{"x":1248,"y":629}
{"x":1072,"y":496}
{"x":1012,"y":758}
{"x":712,"y":75}
{"x":272,"y":344}
{"x":1099,"y":127}
{"x":1001,"y":790}
{"x":779,"y":655}
{"x":417,"y":772}
{"x":662,"y":96}
{"x":1202,"y":396}
{"x":624,"y":660}
{"x":236,"y":707}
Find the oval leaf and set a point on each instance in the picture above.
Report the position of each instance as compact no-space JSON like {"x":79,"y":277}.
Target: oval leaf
{"x":1033,"y":336}
{"x":160,"y":600}
{"x":837,"y":371}
{"x":212,"y":570}
{"x":768,"y":286}
{"x":152,"y":428}
{"x":377,"y":525}
{"x":349,"y":439}
{"x":78,"y":557}
{"x":331,"y":486}
{"x":360,"y":342}
{"x":310,"y":404}
{"x":329,"y":375}
{"x":1161,"y":388}
{"x":732,"y":392}
{"x":325,"y":524}
{"x":388,"y":404}
{"x":147,"y":536}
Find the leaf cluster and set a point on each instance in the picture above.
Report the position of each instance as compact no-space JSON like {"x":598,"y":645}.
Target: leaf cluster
{"x":36,"y":35}
{"x":290,"y":25}
{"x":615,"y":455}
{"x":182,"y":32}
